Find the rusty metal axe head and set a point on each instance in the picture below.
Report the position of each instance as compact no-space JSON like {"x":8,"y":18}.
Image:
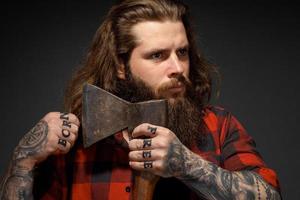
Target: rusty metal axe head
{"x":104,"y":114}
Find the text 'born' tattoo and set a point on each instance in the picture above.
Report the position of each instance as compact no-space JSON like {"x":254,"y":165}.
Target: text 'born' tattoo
{"x":64,"y":116}
{"x":62,"y":142}
{"x":66,"y":133}
{"x":66,"y":124}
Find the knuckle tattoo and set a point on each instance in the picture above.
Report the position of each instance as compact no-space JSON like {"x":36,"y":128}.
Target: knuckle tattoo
{"x":66,"y":133}
{"x":64,"y":116}
{"x":147,"y":143}
{"x":66,"y":124}
{"x":148,"y":164}
{"x":146,"y":154}
{"x":151,"y":129}
{"x":62,"y":142}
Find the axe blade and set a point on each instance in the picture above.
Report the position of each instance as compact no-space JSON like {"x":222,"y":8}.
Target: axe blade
{"x":104,"y":114}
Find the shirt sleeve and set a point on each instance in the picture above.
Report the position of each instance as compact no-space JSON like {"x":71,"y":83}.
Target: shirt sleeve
{"x":239,"y":152}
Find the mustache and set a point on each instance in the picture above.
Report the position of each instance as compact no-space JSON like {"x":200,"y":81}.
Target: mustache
{"x":179,"y":81}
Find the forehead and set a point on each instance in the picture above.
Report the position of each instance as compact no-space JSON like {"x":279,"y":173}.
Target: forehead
{"x":157,"y":34}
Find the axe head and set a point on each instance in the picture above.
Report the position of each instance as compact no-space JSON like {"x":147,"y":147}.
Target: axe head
{"x":104,"y":114}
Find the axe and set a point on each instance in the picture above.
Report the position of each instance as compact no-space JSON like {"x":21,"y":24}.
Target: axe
{"x":104,"y":114}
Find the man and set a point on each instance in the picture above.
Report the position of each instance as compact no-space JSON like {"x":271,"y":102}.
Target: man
{"x":144,"y":49}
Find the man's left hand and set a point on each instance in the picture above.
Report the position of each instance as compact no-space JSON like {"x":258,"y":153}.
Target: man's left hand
{"x":151,"y":148}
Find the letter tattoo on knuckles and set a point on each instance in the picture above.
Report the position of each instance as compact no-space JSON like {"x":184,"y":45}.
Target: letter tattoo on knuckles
{"x":66,"y":123}
{"x":147,"y":143}
{"x":66,"y":133}
{"x":64,"y":116}
{"x":152,"y":129}
{"x":146,"y":154}
{"x":148,"y":164}
{"x":62,"y":142}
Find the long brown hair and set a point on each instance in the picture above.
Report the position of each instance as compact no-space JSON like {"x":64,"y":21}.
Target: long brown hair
{"x":114,"y":42}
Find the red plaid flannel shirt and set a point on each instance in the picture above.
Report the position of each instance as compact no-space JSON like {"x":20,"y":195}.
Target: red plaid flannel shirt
{"x":102,"y":171}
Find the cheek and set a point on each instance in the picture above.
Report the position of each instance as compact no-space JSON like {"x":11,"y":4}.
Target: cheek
{"x":148,"y":72}
{"x":186,"y":69}
{"x":186,"y":65}
{"x":153,"y":78}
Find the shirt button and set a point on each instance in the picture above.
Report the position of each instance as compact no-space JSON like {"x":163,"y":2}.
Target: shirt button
{"x":127,"y":189}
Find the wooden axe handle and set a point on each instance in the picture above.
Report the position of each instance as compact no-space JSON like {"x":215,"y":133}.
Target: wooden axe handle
{"x":144,"y":185}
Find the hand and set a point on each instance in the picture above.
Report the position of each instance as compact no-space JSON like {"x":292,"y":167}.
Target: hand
{"x":152,"y":149}
{"x":55,"y":133}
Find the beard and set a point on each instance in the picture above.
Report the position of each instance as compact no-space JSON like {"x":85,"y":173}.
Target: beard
{"x":184,"y":110}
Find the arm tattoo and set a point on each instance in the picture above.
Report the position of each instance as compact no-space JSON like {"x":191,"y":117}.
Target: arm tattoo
{"x":18,"y":181}
{"x":17,"y":185}
{"x":32,"y":142}
{"x":212,"y":182}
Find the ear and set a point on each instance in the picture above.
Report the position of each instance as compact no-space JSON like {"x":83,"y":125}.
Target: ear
{"x":121,"y":72}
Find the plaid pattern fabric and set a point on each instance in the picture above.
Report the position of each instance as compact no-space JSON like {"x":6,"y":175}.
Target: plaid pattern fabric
{"x":102,"y":171}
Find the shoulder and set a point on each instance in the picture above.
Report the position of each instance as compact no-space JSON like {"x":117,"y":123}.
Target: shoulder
{"x":221,"y":122}
{"x":215,"y":115}
{"x":216,"y":110}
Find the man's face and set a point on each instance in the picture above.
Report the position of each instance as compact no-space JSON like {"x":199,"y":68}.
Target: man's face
{"x":161,"y":58}
{"x":159,"y":68}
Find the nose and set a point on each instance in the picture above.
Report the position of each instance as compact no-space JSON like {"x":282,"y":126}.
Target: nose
{"x":175,"y":67}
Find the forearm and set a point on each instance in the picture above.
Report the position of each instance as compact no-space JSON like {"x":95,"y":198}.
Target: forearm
{"x":17,"y":182}
{"x":54,"y":134}
{"x":213,"y":182}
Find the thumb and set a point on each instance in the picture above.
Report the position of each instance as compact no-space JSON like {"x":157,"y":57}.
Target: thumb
{"x":126,"y":135}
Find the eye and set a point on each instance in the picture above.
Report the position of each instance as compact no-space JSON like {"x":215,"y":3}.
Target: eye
{"x":182,"y":52}
{"x":156,"y":56}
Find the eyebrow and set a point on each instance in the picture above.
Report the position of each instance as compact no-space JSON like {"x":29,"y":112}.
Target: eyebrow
{"x":187,"y":46}
{"x":153,"y":50}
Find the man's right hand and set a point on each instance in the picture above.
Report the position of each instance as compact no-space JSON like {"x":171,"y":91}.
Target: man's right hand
{"x":55,"y":133}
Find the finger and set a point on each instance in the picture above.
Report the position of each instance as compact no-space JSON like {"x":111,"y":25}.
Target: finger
{"x":64,"y":118}
{"x":140,"y":144}
{"x":69,"y":127}
{"x":63,"y":145}
{"x":71,"y":138}
{"x":145,"y":155}
{"x":142,"y":166}
{"x":126,"y":135}
{"x":58,"y":144}
{"x":64,"y":134}
{"x":70,"y":118}
{"x":145,"y":129}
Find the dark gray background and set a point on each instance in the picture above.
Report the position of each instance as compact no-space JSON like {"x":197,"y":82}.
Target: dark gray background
{"x":255,"y":44}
